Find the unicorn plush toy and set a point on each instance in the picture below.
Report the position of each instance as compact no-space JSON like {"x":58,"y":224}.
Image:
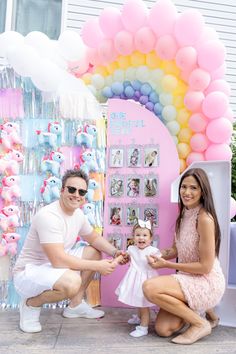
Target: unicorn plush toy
{"x":51,"y":189}
{"x":52,"y":136}
{"x":9,"y":135}
{"x":9,"y":217}
{"x":92,"y":186}
{"x":9,"y":163}
{"x":10,"y":188}
{"x":87,"y":136}
{"x":52,"y":163}
{"x":89,"y":211}
{"x":8,"y":244}
{"x":89,"y":163}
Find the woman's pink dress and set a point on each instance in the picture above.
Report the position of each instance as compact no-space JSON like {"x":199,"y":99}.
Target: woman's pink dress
{"x":129,"y":290}
{"x":202,"y":292}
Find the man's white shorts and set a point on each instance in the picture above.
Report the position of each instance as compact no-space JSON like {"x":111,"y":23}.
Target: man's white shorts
{"x":34,"y":279}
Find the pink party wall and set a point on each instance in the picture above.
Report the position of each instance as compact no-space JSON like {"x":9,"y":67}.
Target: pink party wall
{"x":130,"y":126}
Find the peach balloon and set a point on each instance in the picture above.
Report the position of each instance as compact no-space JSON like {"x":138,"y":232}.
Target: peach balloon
{"x":195,"y":156}
{"x":193,"y":100}
{"x":199,"y":142}
{"x":166,"y":47}
{"x":199,"y":80}
{"x":198,"y":122}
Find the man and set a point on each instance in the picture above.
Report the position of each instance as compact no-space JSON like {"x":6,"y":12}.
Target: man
{"x":49,"y":269}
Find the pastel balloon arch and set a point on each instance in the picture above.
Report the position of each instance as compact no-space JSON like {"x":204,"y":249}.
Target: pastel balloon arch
{"x":168,"y":61}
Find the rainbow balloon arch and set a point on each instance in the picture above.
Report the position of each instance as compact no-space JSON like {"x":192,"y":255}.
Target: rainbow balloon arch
{"x":171,"y":63}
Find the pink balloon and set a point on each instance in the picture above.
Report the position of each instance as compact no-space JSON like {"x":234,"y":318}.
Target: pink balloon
{"x":208,"y":34}
{"x":144,"y":40}
{"x":199,"y":142}
{"x":162,"y":17}
{"x":189,"y":27}
{"x":195,"y":156}
{"x":215,"y":104}
{"x":124,"y":43}
{"x":232,"y":207}
{"x":219,"y":85}
{"x":219,"y":130}
{"x":166,"y":47}
{"x":219,"y":73}
{"x":199,"y":80}
{"x":197,"y":122}
{"x":211,"y":55}
{"x":186,"y":58}
{"x":229,"y":115}
{"x":218,"y":152}
{"x":193,"y":100}
{"x":134,"y":15}
{"x":93,"y":56}
{"x":106,"y":51}
{"x":91,"y":33}
{"x":110,"y":21}
{"x":79,"y":67}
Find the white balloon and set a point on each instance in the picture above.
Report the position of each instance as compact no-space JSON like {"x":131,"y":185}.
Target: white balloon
{"x":8,"y":39}
{"x":119,"y":75}
{"x":173,"y":127}
{"x":40,"y":42}
{"x":98,"y":81}
{"x":23,"y":58}
{"x":71,"y":45}
{"x":143,"y":73}
{"x":48,"y":76}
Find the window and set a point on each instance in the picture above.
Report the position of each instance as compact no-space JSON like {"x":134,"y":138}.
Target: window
{"x":37,"y":15}
{"x":3,"y":8}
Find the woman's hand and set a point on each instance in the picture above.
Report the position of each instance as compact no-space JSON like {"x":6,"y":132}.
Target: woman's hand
{"x":121,"y":257}
{"x":156,"y":262}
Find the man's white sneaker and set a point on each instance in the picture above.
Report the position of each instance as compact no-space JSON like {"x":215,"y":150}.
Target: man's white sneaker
{"x":29,"y":318}
{"x":134,"y":320}
{"x":139,"y":332}
{"x":82,"y":310}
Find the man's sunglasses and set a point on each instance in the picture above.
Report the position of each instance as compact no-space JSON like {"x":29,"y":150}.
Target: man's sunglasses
{"x":72,"y":190}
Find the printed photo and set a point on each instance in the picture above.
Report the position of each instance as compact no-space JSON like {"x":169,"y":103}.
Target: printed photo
{"x":115,"y":240}
{"x":151,"y":157}
{"x":150,"y":186}
{"x":129,"y":242}
{"x":132,"y":215}
{"x":134,"y":157}
{"x":116,"y":186}
{"x":115,"y":215}
{"x":151,"y":213}
{"x":133,"y":187}
{"x":116,"y":157}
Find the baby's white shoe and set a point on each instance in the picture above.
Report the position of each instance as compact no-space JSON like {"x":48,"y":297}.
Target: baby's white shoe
{"x":134,"y":320}
{"x":139,"y":332}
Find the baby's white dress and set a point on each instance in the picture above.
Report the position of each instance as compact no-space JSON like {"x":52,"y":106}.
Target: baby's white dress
{"x":129,"y":290}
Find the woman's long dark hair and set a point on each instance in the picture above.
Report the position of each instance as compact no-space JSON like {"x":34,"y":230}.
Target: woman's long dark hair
{"x":206,"y":201}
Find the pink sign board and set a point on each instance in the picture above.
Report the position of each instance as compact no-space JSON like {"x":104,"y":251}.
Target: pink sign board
{"x":142,"y":162}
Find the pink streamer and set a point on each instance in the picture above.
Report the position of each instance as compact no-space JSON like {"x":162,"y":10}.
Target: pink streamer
{"x":11,"y":103}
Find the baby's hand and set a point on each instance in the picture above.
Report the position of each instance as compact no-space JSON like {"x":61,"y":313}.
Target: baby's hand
{"x":125,"y":257}
{"x":118,"y":260}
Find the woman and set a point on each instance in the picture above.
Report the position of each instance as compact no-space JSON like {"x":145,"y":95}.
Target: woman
{"x":199,"y":283}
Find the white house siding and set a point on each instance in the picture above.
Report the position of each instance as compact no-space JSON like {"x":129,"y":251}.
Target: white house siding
{"x":221,"y":15}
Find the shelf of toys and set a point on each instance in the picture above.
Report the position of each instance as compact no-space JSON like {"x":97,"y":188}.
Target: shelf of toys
{"x":41,"y":137}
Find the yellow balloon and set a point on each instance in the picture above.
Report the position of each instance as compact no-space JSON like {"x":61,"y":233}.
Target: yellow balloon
{"x":178,"y":101}
{"x":181,"y":88}
{"x":137,"y":59}
{"x":152,"y":61}
{"x":183,"y":150}
{"x":182,"y":118}
{"x":170,"y":67}
{"x":101,"y":70}
{"x":87,"y":78}
{"x":123,"y":61}
{"x":169,"y":83}
{"x":183,"y":165}
{"x":112,"y":67}
{"x":185,"y":135}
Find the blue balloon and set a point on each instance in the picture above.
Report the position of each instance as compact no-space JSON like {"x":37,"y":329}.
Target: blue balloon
{"x":149,"y":105}
{"x":117,"y":88}
{"x":153,"y":97}
{"x":136,"y":84}
{"x":137,"y":94}
{"x":129,"y":91}
{"x":158,"y":108}
{"x":146,"y":89}
{"x":126,"y":83}
{"x":143,"y":99}
{"x":107,"y":92}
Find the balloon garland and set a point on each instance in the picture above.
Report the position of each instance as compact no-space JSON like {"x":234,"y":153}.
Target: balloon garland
{"x":171,"y":63}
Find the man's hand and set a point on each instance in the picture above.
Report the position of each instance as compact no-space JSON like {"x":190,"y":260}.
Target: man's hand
{"x":121,"y":257}
{"x":106,"y":266}
{"x":156,"y":262}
